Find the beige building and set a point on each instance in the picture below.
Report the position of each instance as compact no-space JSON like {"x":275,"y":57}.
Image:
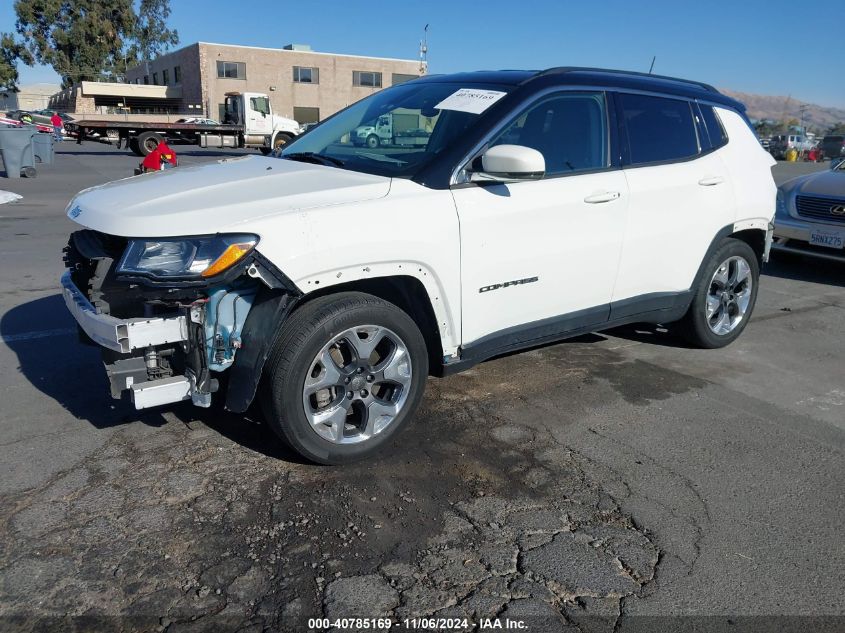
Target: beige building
{"x":29,"y":97}
{"x":302,"y":84}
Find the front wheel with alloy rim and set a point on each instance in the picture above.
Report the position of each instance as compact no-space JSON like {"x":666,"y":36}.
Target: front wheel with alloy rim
{"x":724,"y":297}
{"x":346,"y":375}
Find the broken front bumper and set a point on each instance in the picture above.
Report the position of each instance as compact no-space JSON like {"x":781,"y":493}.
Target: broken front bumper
{"x":120,"y":335}
{"x":126,"y":335}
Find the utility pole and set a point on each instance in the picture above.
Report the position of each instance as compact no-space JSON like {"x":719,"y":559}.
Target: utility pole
{"x":783,"y":115}
{"x":424,"y":51}
{"x":650,"y":68}
{"x":803,"y":110}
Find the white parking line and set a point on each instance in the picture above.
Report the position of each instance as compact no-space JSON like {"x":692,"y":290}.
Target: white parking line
{"x":30,"y":336}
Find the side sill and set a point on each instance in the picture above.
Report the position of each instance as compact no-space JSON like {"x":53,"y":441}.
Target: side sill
{"x":652,"y":308}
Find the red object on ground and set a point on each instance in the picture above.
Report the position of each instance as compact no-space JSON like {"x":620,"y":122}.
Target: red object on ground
{"x":166,"y":153}
{"x":153,"y":160}
{"x":813,"y":155}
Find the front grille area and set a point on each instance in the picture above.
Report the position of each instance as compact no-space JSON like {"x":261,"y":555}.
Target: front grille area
{"x":820,"y":208}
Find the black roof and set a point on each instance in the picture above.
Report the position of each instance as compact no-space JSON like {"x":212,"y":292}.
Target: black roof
{"x":600,"y":77}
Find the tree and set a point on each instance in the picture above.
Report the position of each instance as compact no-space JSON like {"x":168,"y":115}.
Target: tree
{"x":93,"y":39}
{"x":766,"y":128}
{"x":837,"y":129}
{"x":11,"y":51}
{"x":152,"y":37}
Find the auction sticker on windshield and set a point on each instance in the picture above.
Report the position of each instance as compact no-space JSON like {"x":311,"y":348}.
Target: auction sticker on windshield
{"x":470,"y":100}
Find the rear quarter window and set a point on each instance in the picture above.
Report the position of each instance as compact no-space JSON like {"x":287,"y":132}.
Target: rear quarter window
{"x":658,"y":129}
{"x":713,"y":126}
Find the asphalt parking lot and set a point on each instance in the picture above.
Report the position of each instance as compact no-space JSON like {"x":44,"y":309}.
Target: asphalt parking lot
{"x":617,"y":474}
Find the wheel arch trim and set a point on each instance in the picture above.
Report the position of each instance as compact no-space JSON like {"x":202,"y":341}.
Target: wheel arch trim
{"x":273,"y":307}
{"x":446,"y":314}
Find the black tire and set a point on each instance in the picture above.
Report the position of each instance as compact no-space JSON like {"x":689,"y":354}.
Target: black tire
{"x":265,"y":150}
{"x":132,"y":144}
{"x":281,"y":140}
{"x":147,"y":142}
{"x":695,"y":325}
{"x":308,"y":330}
{"x":372,"y":141}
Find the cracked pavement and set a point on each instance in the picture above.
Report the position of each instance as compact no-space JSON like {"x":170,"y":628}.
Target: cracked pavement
{"x":596,"y":485}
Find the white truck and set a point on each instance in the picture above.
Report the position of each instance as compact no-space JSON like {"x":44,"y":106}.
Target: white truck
{"x":248,"y":121}
{"x":395,"y":128}
{"x":328,"y":283}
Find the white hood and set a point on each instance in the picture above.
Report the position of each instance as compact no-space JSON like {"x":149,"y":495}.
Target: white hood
{"x":284,"y":123}
{"x":217,"y":197}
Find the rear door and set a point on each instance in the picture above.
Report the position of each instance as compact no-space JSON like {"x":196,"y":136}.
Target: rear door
{"x":680,"y":194}
{"x":540,"y":257}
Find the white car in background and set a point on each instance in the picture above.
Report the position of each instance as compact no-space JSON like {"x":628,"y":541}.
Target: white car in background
{"x":199,"y":121}
{"x":330,"y":282}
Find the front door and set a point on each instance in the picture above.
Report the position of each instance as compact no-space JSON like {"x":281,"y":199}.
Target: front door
{"x":258,"y":116}
{"x":540,"y":258}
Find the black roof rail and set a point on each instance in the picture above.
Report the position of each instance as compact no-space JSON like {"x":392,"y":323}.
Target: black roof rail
{"x":631,"y":73}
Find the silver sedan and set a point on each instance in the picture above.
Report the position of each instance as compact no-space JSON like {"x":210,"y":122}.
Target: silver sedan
{"x":810,"y":216}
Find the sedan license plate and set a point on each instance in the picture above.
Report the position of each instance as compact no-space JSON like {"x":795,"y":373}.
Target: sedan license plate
{"x":828,"y":239}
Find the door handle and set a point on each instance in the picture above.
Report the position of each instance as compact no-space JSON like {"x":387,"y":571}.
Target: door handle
{"x":709,"y":181}
{"x":604,"y":196}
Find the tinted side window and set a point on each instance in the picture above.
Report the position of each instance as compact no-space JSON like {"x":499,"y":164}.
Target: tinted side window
{"x":715,"y":129}
{"x":658,"y":129}
{"x":569,"y":130}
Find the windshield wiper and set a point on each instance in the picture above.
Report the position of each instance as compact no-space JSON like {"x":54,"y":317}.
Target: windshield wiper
{"x":314,"y":157}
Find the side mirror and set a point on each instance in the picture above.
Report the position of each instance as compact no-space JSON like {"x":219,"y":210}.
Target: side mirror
{"x":510,"y":163}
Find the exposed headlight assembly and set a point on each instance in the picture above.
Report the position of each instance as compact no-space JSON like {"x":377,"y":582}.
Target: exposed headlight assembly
{"x":187,"y":258}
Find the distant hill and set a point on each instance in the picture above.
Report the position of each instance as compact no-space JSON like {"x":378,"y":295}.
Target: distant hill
{"x":778,"y":108}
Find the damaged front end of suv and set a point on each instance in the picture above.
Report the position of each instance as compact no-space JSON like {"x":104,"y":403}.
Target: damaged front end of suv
{"x":173,"y":316}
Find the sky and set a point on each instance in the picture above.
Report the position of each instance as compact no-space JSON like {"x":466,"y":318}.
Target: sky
{"x":774,"y":47}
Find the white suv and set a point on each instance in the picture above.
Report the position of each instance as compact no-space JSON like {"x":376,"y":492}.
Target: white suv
{"x":333,"y":279}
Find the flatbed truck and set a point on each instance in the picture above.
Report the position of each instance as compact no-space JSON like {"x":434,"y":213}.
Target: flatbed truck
{"x":248,"y":122}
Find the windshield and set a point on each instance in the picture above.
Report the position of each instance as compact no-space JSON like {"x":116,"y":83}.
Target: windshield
{"x":395,"y":132}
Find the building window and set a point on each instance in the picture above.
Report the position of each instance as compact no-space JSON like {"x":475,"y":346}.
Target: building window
{"x":305,"y":75}
{"x":177,"y":74}
{"x":399,"y":78}
{"x":155,"y":79}
{"x":304,"y":115}
{"x":231,"y":70}
{"x":165,"y":76}
{"x":146,"y":79}
{"x":366,"y":78}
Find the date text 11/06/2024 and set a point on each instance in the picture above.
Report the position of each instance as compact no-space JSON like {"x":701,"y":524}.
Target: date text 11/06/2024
{"x":431,"y":624}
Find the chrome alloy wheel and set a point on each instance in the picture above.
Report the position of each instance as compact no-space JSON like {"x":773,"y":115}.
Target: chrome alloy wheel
{"x":729,"y":295}
{"x":357,"y":384}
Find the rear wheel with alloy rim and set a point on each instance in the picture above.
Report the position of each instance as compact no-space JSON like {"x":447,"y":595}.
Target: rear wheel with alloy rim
{"x":346,"y":376}
{"x":725,"y":296}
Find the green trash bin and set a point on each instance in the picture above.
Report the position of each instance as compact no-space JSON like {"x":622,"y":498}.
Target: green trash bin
{"x":16,"y":148}
{"x":42,"y":148}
